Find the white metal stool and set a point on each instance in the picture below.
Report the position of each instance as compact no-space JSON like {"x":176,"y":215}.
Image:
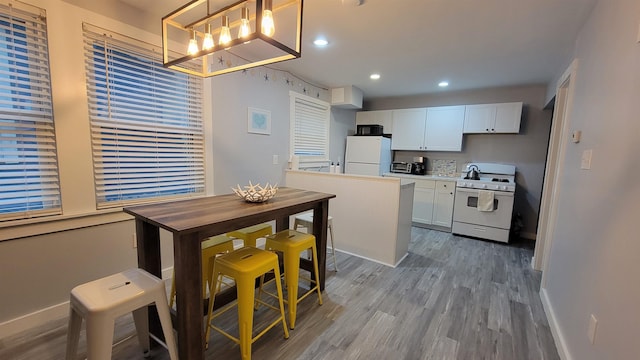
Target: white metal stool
{"x":306,"y":221}
{"x":101,"y":301}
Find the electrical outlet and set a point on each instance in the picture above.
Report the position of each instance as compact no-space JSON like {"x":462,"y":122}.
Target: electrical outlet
{"x":135,"y":241}
{"x":593,"y":326}
{"x":275,"y":160}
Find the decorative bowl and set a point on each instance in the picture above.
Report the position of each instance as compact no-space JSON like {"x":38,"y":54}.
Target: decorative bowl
{"x":256,"y":193}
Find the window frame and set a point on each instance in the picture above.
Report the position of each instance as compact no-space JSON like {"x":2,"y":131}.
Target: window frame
{"x":323,"y":109}
{"x":121,"y":122}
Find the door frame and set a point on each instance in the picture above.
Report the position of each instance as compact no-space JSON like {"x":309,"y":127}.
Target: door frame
{"x":558,"y":141}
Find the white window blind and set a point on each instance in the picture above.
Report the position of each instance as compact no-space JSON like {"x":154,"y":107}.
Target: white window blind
{"x":146,"y":122}
{"x":29,"y":184}
{"x":309,"y":128}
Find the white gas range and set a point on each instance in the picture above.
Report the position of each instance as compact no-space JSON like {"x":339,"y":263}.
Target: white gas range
{"x":484,"y":205}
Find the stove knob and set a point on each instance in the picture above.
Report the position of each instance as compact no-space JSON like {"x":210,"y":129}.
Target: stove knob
{"x":503,"y":187}
{"x":482,"y":186}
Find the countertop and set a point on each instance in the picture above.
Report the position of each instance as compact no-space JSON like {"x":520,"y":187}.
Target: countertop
{"x":421,"y":177}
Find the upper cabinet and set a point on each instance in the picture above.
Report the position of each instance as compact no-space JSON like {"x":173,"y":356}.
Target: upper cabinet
{"x":377,"y":117}
{"x":443,"y":131}
{"x":493,"y":118}
{"x":428,"y":129}
{"x":408,"y":129}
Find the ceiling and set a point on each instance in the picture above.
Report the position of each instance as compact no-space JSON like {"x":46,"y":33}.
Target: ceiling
{"x":415,"y":44}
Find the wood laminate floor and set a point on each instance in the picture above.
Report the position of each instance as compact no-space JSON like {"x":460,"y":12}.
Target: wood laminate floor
{"x":451,"y":298}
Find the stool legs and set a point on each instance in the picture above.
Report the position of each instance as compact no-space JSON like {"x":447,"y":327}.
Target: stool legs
{"x":140,"y":318}
{"x":167,"y":328}
{"x":292,"y":272}
{"x":99,"y":337}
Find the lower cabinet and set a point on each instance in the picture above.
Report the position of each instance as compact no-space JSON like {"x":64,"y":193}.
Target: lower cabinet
{"x":433,"y":202}
{"x":443,"y":204}
{"x":423,"y":195}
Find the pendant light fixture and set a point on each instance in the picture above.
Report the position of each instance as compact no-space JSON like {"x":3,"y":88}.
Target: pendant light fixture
{"x":225,"y":33}
{"x":207,"y":43}
{"x":192,"y":48}
{"x":268,"y":26}
{"x":245,"y":27}
{"x":257,"y":43}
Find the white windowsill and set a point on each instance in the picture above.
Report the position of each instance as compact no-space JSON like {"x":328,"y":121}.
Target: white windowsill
{"x":45,"y":225}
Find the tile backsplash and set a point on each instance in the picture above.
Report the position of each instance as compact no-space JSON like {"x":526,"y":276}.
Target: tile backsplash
{"x":444,"y":167}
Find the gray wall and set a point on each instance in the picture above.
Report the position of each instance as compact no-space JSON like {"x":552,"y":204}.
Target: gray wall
{"x":526,"y":150}
{"x":593,"y":263}
{"x":238,"y":156}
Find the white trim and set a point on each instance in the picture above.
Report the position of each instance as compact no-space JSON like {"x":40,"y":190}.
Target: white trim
{"x":554,"y":168}
{"x":558,"y":337}
{"x":48,"y":314}
{"x":374,"y":260}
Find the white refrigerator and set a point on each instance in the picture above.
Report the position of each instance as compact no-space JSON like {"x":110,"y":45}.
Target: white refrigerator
{"x":368,"y":155}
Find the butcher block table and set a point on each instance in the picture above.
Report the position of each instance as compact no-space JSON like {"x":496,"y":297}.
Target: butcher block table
{"x":193,"y":220}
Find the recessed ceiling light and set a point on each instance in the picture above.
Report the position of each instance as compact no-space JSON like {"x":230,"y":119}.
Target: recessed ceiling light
{"x":374,"y":76}
{"x":320,"y":42}
{"x":443,"y":84}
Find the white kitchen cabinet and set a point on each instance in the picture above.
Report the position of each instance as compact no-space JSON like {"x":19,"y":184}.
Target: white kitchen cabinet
{"x":443,"y":203}
{"x":428,"y":129}
{"x":423,"y":195}
{"x":376,"y":117}
{"x":408,"y":129}
{"x":443,"y":130}
{"x":493,"y":118}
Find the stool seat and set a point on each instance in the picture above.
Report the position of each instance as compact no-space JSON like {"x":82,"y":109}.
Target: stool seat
{"x":101,"y":301}
{"x":306,"y":221}
{"x":250,"y":234}
{"x":292,"y":243}
{"x":245,"y":265}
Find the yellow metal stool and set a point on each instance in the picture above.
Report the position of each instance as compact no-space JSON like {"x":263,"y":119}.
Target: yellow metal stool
{"x":292,"y":243}
{"x":250,"y":234}
{"x":245,"y":265}
{"x":210,"y":248}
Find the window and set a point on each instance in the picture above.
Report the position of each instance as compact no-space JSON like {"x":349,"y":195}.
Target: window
{"x":309,"y":128}
{"x":29,"y":184}
{"x":146,"y":122}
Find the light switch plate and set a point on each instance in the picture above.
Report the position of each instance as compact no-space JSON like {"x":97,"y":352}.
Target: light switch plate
{"x":638,"y":33}
{"x":586,"y":159}
{"x":275,"y":160}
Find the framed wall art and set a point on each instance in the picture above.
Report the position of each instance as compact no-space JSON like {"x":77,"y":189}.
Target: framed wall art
{"x":259,"y":121}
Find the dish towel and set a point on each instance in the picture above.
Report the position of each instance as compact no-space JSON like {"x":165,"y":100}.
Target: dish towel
{"x":485,"y":200}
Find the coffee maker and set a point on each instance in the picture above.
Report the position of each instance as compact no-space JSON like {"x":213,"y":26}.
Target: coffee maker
{"x":419,"y":165}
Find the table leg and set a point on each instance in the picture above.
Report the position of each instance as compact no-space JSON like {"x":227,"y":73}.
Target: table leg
{"x":190,"y":326}
{"x":320,"y":223}
{"x":148,"y":245}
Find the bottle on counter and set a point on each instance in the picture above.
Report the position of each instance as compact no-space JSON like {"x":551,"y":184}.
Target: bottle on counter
{"x":332,"y":168}
{"x":338,"y":169}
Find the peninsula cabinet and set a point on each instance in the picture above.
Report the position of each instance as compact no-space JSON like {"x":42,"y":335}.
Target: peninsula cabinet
{"x":376,"y":117}
{"x":423,"y":196}
{"x":493,"y":118}
{"x":428,"y":129}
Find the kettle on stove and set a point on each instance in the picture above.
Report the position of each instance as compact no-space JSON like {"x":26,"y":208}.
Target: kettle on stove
{"x":473,"y":172}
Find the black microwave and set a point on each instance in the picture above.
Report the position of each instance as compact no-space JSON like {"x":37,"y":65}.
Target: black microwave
{"x":369,"y":130}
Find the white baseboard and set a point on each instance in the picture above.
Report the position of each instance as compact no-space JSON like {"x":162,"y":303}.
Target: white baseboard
{"x":366,"y":258}
{"x":558,"y":337}
{"x":43,"y":316}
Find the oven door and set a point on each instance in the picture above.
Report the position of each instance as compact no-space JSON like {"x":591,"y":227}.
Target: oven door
{"x":465,"y":209}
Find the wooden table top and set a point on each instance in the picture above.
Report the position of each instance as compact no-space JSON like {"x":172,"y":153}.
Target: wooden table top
{"x":185,"y":216}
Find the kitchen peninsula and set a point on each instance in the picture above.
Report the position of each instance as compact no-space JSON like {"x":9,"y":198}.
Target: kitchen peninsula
{"x":371,"y":214}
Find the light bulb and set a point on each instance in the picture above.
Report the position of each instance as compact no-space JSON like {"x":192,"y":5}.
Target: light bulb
{"x":225,"y":34}
{"x":207,"y":43}
{"x":268,"y":26}
{"x":245,"y":27}
{"x":192,"y":49}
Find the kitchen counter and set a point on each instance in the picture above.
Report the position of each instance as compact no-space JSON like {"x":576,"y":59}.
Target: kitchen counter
{"x":422,"y":177}
{"x":371,"y":214}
